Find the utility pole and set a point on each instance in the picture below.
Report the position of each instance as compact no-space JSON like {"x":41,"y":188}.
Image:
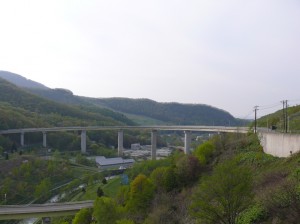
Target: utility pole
{"x":286,"y":117}
{"x":283,"y":117}
{"x":255,"y":122}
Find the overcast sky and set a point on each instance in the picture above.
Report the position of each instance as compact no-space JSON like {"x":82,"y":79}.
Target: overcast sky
{"x":231,"y":54}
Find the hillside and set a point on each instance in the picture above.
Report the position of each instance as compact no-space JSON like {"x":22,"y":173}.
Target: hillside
{"x":21,"y":81}
{"x":170,"y":113}
{"x":276,"y":119}
{"x":141,"y":111}
{"x":59,"y":95}
{"x":20,"y":109}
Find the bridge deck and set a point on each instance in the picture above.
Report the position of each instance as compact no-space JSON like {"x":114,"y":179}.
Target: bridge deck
{"x":41,"y":210}
{"x":162,"y":128}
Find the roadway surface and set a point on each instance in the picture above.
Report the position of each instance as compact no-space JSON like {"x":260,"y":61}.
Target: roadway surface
{"x":9,"y":212}
{"x":150,"y":128}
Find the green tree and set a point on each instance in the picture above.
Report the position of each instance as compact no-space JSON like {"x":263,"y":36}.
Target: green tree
{"x":222,"y":196}
{"x":42,"y":190}
{"x":164,"y":179}
{"x":100,"y":192}
{"x":170,"y":180}
{"x":106,"y":211}
{"x":123,"y":195}
{"x":283,"y":200}
{"x":140,"y":195}
{"x":84,"y":216}
{"x":187,"y":170}
{"x":157,"y":177}
{"x":204,"y":152}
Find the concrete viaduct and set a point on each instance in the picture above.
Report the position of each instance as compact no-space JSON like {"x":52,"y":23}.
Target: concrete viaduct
{"x":8,"y":212}
{"x":120,"y":129}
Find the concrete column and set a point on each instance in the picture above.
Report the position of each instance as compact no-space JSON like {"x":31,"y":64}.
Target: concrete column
{"x":120,"y":142}
{"x":83,"y":141}
{"x":22,"y":139}
{"x":187,"y":142}
{"x":153,"y":144}
{"x":44,"y":139}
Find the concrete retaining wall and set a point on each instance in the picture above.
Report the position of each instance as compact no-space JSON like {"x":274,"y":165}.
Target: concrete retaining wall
{"x":279,"y":144}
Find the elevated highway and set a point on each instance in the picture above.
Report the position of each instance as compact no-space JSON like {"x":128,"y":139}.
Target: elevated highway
{"x":149,"y":128}
{"x":120,"y":129}
{"x":9,"y":212}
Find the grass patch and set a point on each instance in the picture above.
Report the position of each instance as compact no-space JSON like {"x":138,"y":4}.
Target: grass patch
{"x":110,"y":190}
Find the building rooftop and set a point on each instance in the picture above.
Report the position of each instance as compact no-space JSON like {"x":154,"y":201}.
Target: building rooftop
{"x":102,"y":161}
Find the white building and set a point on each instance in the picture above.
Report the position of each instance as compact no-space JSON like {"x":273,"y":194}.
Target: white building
{"x":108,"y":163}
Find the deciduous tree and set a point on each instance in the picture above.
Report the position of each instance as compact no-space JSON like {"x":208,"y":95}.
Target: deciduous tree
{"x":204,"y":151}
{"x":84,"y":216}
{"x":106,"y":210}
{"x":187,"y":170}
{"x":222,"y":196}
{"x":100,"y":192}
{"x":141,"y":194}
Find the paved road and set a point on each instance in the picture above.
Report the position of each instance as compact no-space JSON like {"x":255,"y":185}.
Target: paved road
{"x":150,"y":128}
{"x":44,"y":210}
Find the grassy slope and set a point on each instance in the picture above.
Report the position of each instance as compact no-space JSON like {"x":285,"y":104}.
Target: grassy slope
{"x":110,"y":189}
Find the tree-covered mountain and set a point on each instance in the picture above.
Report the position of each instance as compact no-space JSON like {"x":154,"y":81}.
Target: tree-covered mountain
{"x":171,"y":113}
{"x":59,"y":94}
{"x":141,"y":111}
{"x":21,"y":81}
{"x":20,"y":109}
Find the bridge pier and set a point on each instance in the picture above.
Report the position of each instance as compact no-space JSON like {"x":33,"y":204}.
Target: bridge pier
{"x":120,"y":142}
{"x":44,"y":139}
{"x":187,"y":141}
{"x":83,"y":141}
{"x":22,"y":139}
{"x":153,"y":144}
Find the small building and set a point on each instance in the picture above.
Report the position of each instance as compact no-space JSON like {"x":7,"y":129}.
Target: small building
{"x":110,"y":163}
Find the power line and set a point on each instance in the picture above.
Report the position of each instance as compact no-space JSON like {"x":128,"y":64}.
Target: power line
{"x":295,"y":100}
{"x":248,"y":114}
{"x":269,"y":107}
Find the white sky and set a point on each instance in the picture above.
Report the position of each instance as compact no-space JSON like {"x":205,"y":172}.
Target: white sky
{"x":230,"y":54}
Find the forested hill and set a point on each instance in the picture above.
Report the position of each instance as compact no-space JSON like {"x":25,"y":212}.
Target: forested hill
{"x":20,"y":109}
{"x":172,"y":113}
{"x":140,"y":111}
{"x":276,"y":119}
{"x":59,"y":95}
{"x":21,"y":81}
